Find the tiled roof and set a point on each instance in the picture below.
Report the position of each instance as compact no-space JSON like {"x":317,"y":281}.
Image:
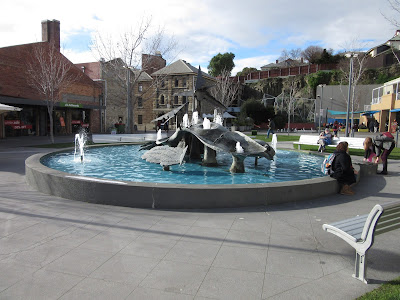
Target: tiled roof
{"x":179,"y":67}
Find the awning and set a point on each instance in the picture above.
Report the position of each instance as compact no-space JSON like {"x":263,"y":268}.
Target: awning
{"x":227,"y":115}
{"x":334,"y":112}
{"x":170,"y":114}
{"x":369,"y":112}
{"x":6,"y":108}
{"x":395,"y":110}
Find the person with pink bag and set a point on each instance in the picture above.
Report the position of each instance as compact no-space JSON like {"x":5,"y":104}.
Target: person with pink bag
{"x":369,"y":148}
{"x":384,"y":144}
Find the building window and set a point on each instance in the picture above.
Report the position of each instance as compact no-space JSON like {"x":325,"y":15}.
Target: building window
{"x":176,"y":82}
{"x":184,"y":99}
{"x":140,"y":102}
{"x":176,"y":100}
{"x":162,"y":83}
{"x":140,"y":88}
{"x":184,"y":82}
{"x":162,"y":100}
{"x":140,"y":119}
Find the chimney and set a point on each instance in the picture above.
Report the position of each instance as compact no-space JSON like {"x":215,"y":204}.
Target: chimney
{"x":397,"y":32}
{"x":51,"y":32}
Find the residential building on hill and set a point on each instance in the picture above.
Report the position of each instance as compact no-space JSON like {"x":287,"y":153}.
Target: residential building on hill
{"x":80,"y":104}
{"x":386,"y":54}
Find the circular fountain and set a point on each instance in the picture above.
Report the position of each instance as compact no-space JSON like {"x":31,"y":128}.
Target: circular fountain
{"x":235,"y":190}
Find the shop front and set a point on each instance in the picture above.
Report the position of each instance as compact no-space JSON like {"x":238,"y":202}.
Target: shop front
{"x":68,"y":118}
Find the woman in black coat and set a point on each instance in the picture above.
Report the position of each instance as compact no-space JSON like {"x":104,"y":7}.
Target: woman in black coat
{"x":342,"y":168}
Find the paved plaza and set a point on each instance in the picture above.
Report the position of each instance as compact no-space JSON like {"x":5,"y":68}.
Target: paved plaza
{"x":54,"y":248}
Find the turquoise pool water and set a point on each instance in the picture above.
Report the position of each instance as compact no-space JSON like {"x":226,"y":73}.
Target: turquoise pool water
{"x":124,"y":163}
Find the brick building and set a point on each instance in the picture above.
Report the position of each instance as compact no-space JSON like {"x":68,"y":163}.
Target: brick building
{"x":114,"y":76}
{"x":79,"y":105}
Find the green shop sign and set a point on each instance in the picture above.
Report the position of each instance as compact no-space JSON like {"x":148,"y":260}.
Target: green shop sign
{"x":73,"y":105}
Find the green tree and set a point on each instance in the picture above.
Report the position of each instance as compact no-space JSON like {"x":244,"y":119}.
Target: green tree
{"x":221,"y":62}
{"x":246,"y":71}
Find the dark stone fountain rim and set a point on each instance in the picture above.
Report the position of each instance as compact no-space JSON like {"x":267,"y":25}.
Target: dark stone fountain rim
{"x":170,"y":196}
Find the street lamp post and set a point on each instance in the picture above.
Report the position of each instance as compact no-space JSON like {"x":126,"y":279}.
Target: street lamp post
{"x":349,"y":55}
{"x":320,"y":104}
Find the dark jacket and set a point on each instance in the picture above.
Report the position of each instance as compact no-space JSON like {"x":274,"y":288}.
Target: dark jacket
{"x":382,"y":142}
{"x":342,"y":168}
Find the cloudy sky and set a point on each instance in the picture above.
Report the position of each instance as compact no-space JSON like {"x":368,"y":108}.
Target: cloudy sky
{"x":256,"y":31}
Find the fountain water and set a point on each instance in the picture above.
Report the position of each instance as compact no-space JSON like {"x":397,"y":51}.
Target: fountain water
{"x":195,"y":117}
{"x":274,"y":142}
{"x":80,"y":141}
{"x":206,"y":124}
{"x":185,"y":121}
{"x":218,"y":119}
{"x":239,"y":148}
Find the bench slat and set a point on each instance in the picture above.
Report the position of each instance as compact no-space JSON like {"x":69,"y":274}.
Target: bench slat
{"x":387,"y":225}
{"x":349,"y":222}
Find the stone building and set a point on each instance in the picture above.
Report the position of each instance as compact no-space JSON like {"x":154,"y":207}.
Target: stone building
{"x":173,"y":86}
{"x":79,"y":105}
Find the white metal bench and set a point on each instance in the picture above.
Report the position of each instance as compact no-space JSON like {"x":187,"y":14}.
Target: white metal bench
{"x":359,"y":232}
{"x":312,"y":140}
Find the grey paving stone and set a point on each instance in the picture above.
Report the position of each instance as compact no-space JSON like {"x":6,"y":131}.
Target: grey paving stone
{"x":39,"y":255}
{"x":275,"y":284}
{"x":12,"y":272}
{"x":153,"y":247}
{"x":221,"y":283}
{"x":108,"y":242}
{"x":141,"y":293}
{"x":11,"y":226}
{"x":176,"y":277}
{"x":42,"y":284}
{"x":215,"y":221}
{"x":206,"y":235}
{"x":90,"y":288}
{"x":252,"y":222}
{"x":247,"y":239}
{"x":72,"y":236}
{"x":294,"y":263}
{"x":246,"y":259}
{"x":79,"y":261}
{"x":193,"y":252}
{"x":291,"y":228}
{"x":124,"y":268}
{"x":300,"y":243}
{"x":168,"y":231}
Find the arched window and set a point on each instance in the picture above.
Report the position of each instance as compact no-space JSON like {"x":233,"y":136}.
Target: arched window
{"x":162,"y":102}
{"x":176,"y":82}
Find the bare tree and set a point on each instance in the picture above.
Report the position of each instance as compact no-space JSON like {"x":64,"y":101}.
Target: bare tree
{"x":395,"y":8}
{"x":288,"y":101}
{"x":312,"y":53}
{"x":225,"y":90}
{"x":125,"y":62}
{"x":50,"y":73}
{"x":293,"y":54}
{"x":353,"y":69}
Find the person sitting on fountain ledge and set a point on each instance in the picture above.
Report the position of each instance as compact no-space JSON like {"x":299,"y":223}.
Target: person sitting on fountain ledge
{"x":343,"y":170}
{"x":325,"y":138}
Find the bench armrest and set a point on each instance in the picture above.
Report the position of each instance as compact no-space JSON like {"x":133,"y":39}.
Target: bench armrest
{"x":351,"y":240}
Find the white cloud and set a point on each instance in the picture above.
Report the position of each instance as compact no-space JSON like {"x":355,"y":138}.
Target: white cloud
{"x":249,"y":29}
